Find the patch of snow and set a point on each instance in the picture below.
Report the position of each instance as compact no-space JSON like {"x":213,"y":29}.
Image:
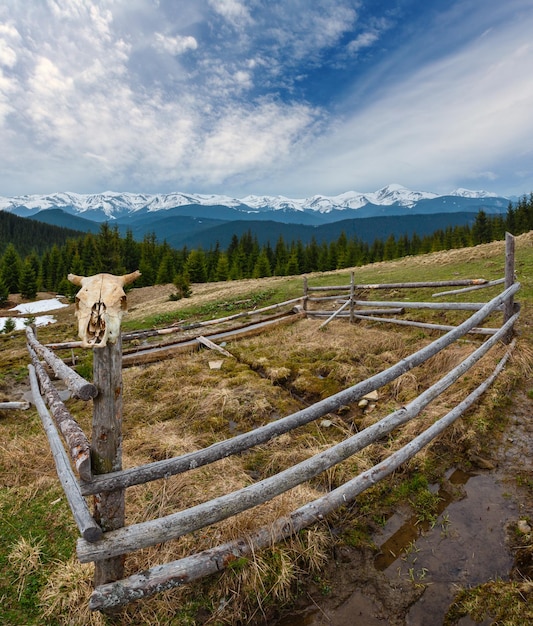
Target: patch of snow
{"x":20,"y":322}
{"x":29,"y":308}
{"x":468,"y":193}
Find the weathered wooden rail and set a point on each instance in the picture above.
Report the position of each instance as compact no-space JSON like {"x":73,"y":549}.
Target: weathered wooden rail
{"x":106,"y":541}
{"x":14,"y":405}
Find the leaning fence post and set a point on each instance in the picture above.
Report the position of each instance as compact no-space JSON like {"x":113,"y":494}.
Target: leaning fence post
{"x":306,"y":293}
{"x":352,"y":297}
{"x":106,"y":450}
{"x":508,"y":306}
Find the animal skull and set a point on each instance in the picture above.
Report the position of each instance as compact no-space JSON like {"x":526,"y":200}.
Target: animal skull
{"x":100,"y":304}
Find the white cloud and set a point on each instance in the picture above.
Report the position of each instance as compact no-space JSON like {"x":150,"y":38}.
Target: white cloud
{"x":155,"y":96}
{"x":364,"y":40}
{"x":233,"y":11}
{"x":175,"y":45}
{"x":243,"y":142}
{"x":454,"y":119}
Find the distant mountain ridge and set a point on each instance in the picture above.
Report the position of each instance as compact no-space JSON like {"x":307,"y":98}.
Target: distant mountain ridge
{"x":111,"y":205}
{"x":203,"y":220}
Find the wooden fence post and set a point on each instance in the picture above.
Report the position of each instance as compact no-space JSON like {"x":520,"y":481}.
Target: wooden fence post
{"x":306,"y":293}
{"x":106,"y":450}
{"x":352,"y":297}
{"x":508,"y":306}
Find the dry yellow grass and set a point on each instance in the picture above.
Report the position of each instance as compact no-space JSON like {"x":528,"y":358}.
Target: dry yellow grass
{"x":181,"y":405}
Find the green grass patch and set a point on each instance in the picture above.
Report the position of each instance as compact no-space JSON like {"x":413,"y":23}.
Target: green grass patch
{"x":36,"y":529}
{"x":500,"y":602}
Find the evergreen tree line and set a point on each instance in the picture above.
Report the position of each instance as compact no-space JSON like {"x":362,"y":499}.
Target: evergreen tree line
{"x":107,"y":251}
{"x":28,"y":235}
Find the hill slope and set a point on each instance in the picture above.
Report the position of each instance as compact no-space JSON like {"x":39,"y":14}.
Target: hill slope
{"x":28,"y":235}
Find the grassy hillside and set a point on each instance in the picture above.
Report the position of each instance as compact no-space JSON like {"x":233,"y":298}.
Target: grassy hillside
{"x":182,"y":404}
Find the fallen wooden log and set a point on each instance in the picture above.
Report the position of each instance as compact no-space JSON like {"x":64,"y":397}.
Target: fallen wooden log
{"x":150,"y":354}
{"x":78,"y":386}
{"x":89,"y":529}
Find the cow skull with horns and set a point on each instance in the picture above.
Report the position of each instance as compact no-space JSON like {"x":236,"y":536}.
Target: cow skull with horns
{"x":100,"y":305}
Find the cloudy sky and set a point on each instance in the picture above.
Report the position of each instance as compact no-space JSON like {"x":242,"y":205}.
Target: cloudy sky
{"x":291,"y":97}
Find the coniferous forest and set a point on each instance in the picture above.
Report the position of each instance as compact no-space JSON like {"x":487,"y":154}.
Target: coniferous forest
{"x":38,"y":257}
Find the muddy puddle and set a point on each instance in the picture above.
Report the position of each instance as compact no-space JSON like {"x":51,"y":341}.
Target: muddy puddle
{"x":467,"y":546}
{"x":416,"y":574}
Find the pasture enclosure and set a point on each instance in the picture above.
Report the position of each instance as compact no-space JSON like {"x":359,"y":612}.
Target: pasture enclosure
{"x":96,"y":460}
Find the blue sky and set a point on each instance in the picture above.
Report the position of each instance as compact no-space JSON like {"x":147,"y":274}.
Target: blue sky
{"x":289,"y":97}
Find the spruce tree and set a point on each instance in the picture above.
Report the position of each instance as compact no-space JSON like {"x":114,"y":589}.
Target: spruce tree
{"x":4,"y":292}
{"x":196,"y":266}
{"x":262,"y":266}
{"x":222,"y":268}
{"x":481,"y":229}
{"x":166,"y":270}
{"x":28,"y":280}
{"x":183,"y":285}
{"x":10,"y":266}
{"x":292,"y":265}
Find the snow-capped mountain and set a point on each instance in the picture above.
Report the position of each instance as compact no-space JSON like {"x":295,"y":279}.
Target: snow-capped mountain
{"x":112,"y":205}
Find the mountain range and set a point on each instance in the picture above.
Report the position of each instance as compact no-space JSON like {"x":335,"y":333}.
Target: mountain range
{"x":203,"y":220}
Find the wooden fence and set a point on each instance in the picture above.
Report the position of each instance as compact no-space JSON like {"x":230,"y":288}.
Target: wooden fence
{"x":103,"y":538}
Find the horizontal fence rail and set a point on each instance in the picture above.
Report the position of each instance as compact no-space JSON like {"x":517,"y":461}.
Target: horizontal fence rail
{"x":490,"y":283}
{"x":181,"y":327}
{"x":417,"y":285}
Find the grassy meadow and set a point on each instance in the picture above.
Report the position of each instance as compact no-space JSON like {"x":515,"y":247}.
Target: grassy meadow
{"x":182,"y":404}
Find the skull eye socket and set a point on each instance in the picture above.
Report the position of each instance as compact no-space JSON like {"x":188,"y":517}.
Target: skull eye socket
{"x":123,"y":302}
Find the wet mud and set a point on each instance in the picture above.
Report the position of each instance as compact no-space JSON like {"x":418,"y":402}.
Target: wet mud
{"x":419,"y":568}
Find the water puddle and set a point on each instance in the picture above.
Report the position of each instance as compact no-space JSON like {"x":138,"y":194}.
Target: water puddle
{"x":409,"y":531}
{"x":466,"y":546}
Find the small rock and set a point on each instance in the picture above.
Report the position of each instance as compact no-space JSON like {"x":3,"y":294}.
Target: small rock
{"x":362,"y":403}
{"x":215,"y":365}
{"x":373,"y":395}
{"x":523,"y":527}
{"x":326,"y":424}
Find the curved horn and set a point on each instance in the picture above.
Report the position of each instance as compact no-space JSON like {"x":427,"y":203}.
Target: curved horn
{"x":75,"y":279}
{"x":129,"y":278}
